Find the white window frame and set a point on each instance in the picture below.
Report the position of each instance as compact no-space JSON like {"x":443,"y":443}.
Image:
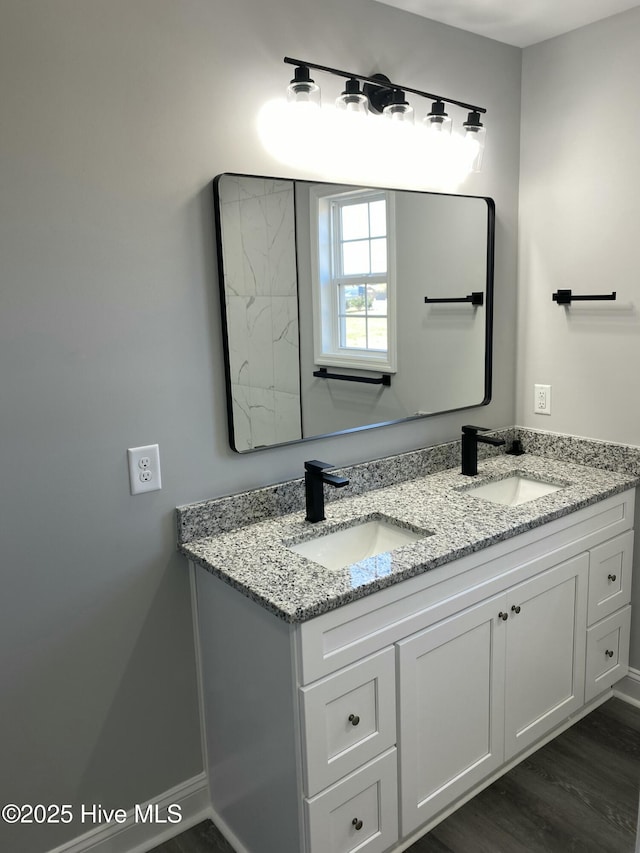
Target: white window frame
{"x":326,"y":323}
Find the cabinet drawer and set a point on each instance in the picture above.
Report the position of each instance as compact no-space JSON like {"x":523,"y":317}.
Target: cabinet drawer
{"x":347,"y":719}
{"x":358,"y":813}
{"x":610,"y":576}
{"x":607,"y":652}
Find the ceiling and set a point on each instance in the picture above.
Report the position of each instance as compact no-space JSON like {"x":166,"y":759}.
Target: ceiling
{"x":519,"y":23}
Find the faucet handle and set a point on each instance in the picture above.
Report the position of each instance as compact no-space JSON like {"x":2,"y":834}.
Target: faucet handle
{"x":472,"y":430}
{"x":314,"y":466}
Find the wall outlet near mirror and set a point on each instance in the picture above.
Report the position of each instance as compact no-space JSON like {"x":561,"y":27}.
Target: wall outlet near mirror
{"x":144,"y":469}
{"x":542,"y":399}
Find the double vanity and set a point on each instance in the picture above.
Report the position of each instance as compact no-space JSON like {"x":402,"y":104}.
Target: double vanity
{"x":364,"y":676}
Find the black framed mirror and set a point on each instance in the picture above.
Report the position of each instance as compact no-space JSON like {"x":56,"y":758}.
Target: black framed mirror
{"x":347,"y":307}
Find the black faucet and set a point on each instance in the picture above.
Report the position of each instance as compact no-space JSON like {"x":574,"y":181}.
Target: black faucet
{"x":315,"y":474}
{"x":470,"y":439}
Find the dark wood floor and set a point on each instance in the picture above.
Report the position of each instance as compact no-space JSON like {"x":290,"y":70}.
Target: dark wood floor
{"x":578,"y":794}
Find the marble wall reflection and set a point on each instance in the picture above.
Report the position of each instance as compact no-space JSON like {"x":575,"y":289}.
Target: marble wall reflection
{"x":258,"y":235}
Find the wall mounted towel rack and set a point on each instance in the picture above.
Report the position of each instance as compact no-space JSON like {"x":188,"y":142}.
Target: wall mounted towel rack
{"x":323,"y":373}
{"x":475,"y":298}
{"x":566,"y":297}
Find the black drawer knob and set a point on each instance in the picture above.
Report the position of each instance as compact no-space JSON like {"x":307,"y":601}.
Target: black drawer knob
{"x":357,"y":823}
{"x":354,"y":719}
{"x":611,"y":578}
{"x":503,"y":616}
{"x":609,"y":653}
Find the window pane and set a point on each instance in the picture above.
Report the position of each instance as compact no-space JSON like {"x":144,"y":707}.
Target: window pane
{"x":378,"y":220}
{"x":378,"y":333}
{"x":352,"y":299}
{"x":354,"y":333}
{"x":355,"y":221}
{"x":355,"y":258}
{"x":379,"y":255}
{"x":378,"y":299}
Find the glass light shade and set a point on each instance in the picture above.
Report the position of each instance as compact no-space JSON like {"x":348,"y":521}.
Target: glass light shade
{"x":399,"y":112}
{"x":358,"y":104}
{"x":437,"y":121}
{"x":352,"y":100}
{"x":474,"y":136}
{"x":302,"y":89}
{"x":305,"y":92}
{"x":438,"y":125}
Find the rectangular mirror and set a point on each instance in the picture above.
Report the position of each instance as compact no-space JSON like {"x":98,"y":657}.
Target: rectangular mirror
{"x":348,"y":307}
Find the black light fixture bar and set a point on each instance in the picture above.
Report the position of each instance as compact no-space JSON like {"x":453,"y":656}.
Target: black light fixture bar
{"x":566,"y":297}
{"x":386,"y":84}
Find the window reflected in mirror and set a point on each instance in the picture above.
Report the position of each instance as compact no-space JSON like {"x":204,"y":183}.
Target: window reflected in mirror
{"x":325,"y":325}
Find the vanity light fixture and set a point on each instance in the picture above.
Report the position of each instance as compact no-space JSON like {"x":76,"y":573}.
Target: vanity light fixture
{"x":381,"y":96}
{"x":343,"y":138}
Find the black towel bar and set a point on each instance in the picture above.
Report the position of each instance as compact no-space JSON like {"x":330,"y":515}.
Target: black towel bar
{"x":323,"y":373}
{"x":475,"y":298}
{"x":566,"y":297}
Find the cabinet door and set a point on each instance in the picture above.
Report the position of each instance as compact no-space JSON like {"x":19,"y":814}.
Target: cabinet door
{"x":545,"y":663}
{"x":451,"y":709}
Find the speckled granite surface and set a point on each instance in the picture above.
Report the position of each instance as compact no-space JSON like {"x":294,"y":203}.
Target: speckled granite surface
{"x":255,"y":559}
{"x":208,"y":518}
{"x":623,"y":458}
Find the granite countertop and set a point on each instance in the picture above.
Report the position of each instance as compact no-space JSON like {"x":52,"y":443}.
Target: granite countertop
{"x":255,"y":559}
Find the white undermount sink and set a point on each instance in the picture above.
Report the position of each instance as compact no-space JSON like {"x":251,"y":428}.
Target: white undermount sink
{"x":513,"y":490}
{"x":353,"y":544}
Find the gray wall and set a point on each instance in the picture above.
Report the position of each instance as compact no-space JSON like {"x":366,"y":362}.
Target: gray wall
{"x":578,"y":228}
{"x":116,"y":115}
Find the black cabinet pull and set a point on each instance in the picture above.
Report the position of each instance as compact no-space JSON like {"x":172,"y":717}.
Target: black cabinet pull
{"x":357,"y":823}
{"x":611,"y":578}
{"x":609,"y":653}
{"x":503,"y":616}
{"x":516,"y":608}
{"x":354,"y":719}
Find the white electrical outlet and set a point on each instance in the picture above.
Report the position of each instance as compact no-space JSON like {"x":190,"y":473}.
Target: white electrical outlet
{"x":542,"y":399}
{"x":144,"y":469}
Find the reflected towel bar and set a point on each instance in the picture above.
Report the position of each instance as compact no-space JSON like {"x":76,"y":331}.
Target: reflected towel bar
{"x":322,"y":373}
{"x":475,"y":298}
{"x":566,"y":297}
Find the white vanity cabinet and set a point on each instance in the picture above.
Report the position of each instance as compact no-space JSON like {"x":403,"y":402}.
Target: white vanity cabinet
{"x":477,"y":688}
{"x":359,"y":729}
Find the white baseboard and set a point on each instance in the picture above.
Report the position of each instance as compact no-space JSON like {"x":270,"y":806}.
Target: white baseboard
{"x":628,"y":688}
{"x":139,"y":836}
{"x":227,"y":834}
